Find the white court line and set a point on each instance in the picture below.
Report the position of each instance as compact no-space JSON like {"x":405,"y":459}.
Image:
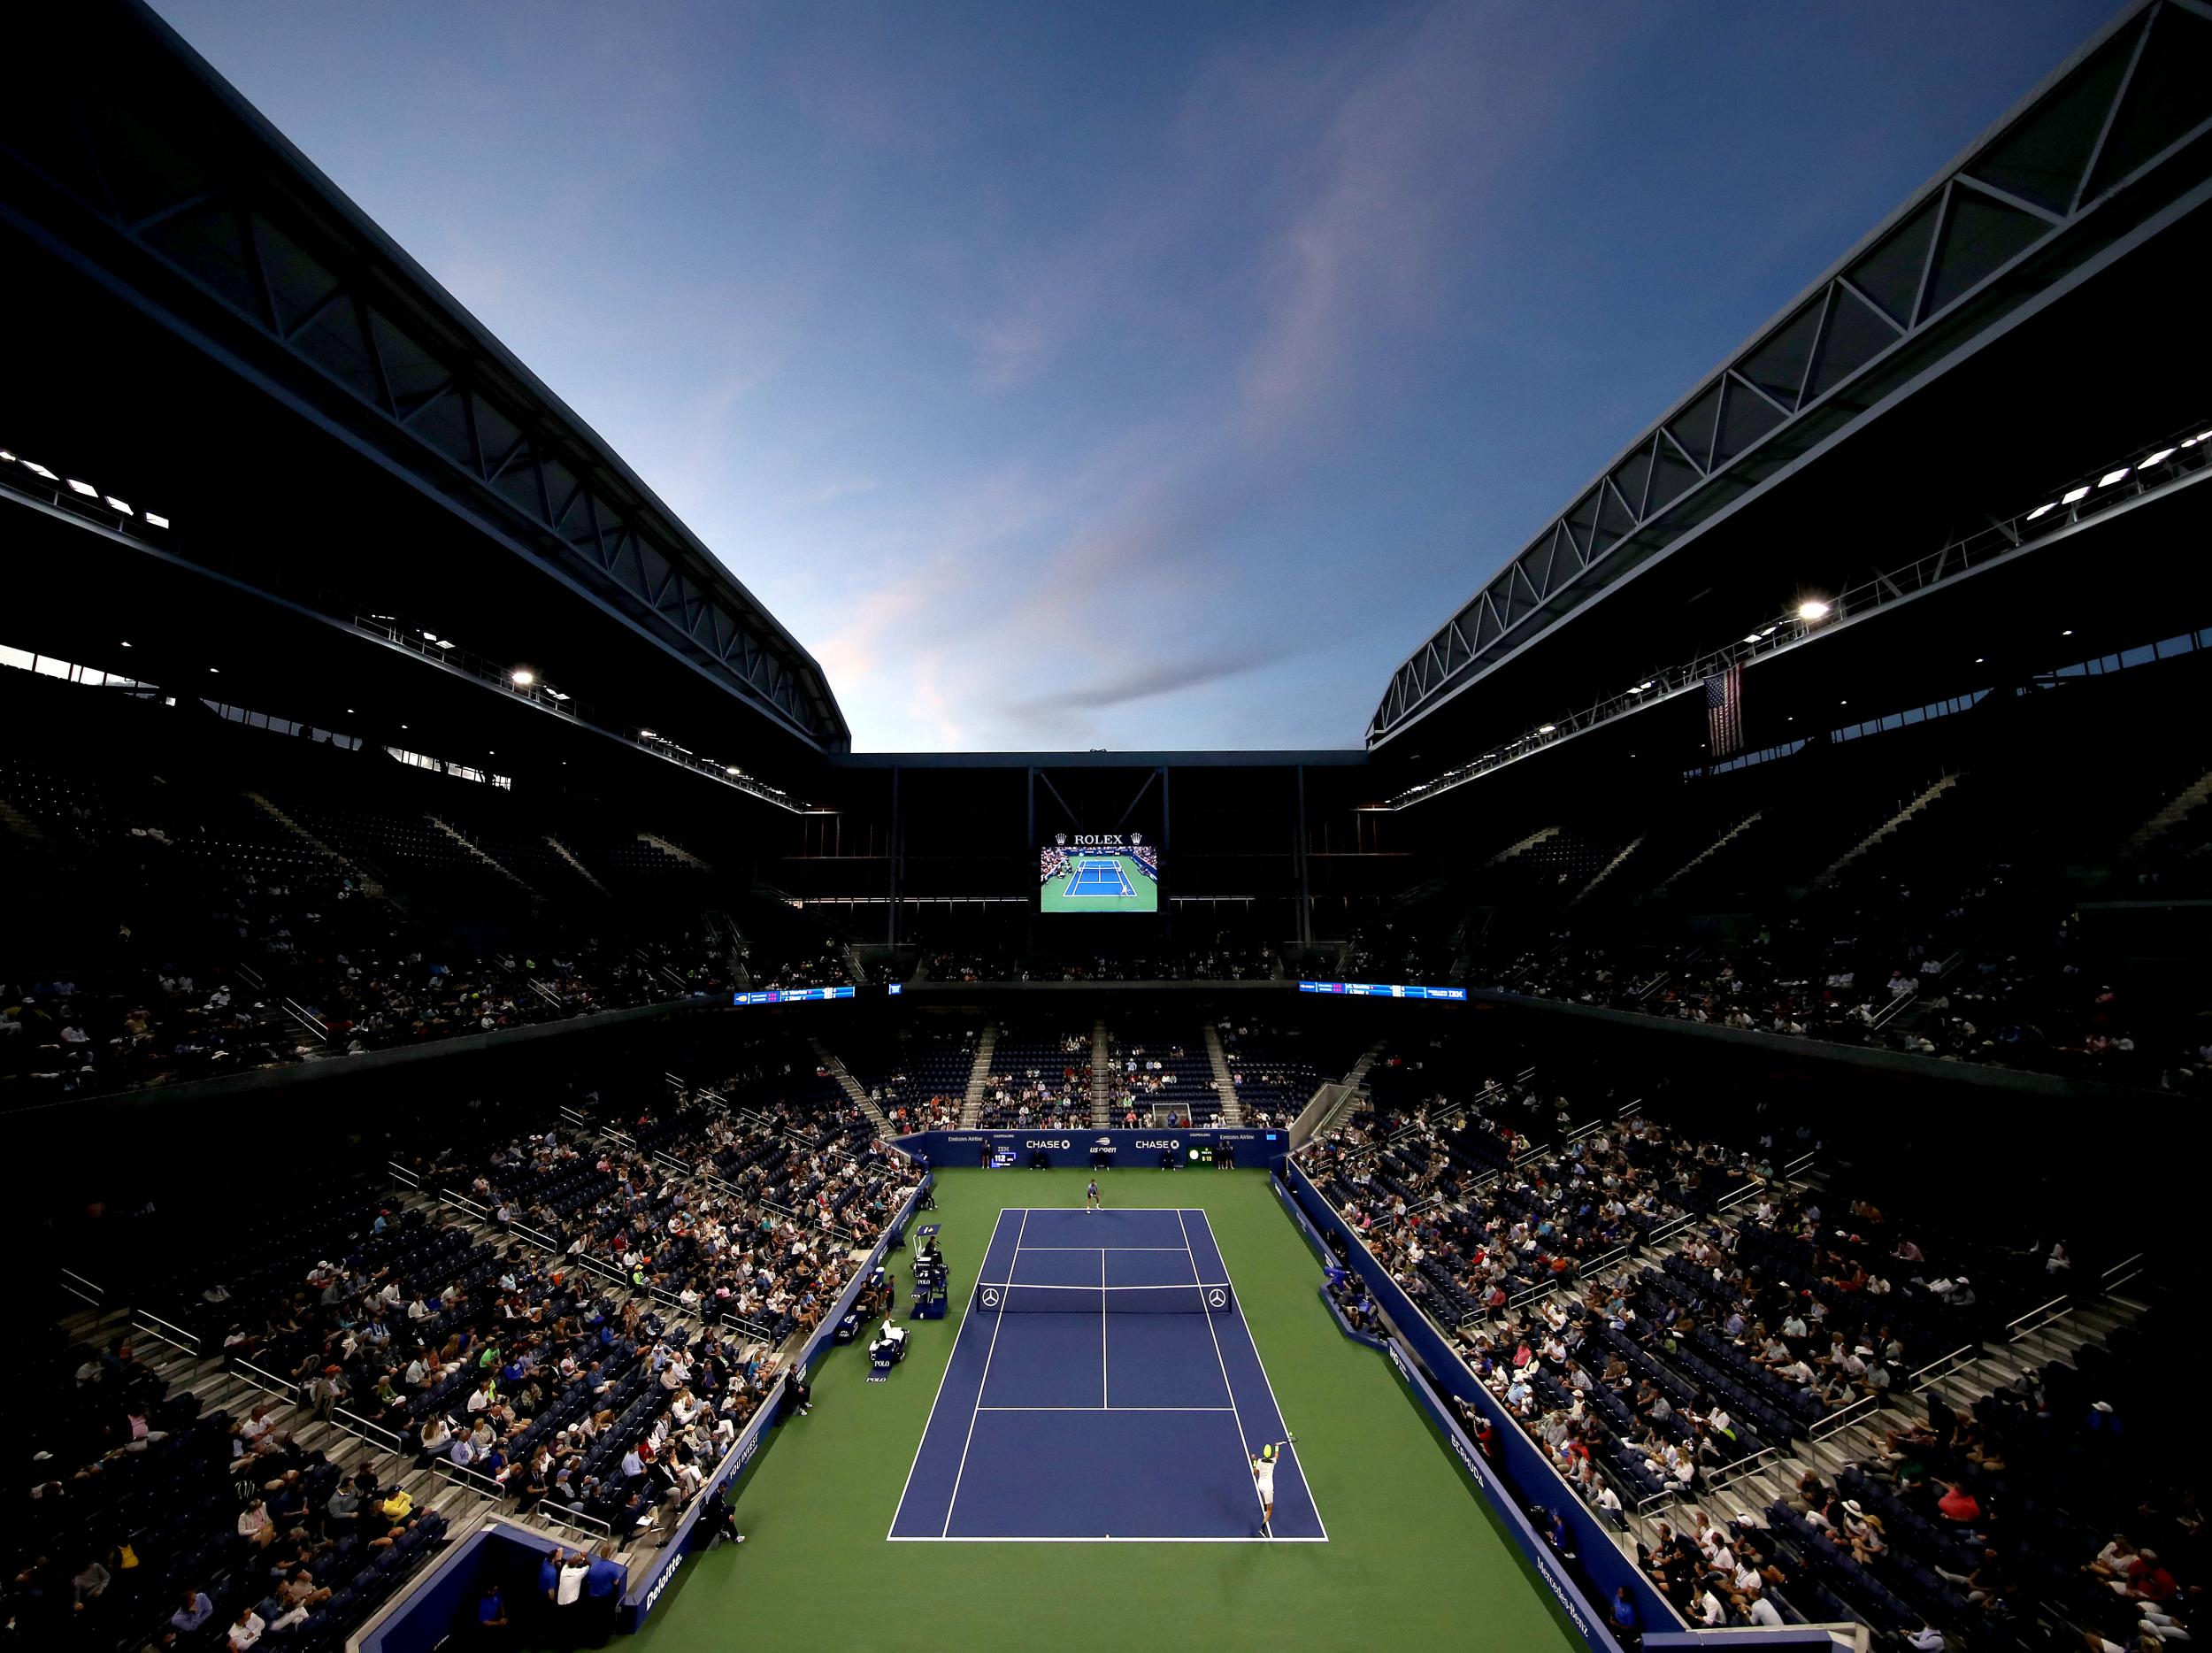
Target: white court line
{"x":1253,"y":1343}
{"x":997,"y":1320}
{"x":967,"y":1317}
{"x":1105,"y":1409}
{"x":979,"y":1538}
{"x":1105,"y":1387}
{"x":1244,"y":1458}
{"x":1097,"y":1248}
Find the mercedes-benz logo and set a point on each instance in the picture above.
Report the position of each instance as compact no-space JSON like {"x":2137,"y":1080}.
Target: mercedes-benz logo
{"x":990,"y":1299}
{"x":1216,"y":1297}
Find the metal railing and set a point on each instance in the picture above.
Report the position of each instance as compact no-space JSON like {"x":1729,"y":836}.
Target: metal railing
{"x":2121,"y":1273}
{"x":362,"y":1429}
{"x":1844,"y":1416}
{"x":2036,"y":1318}
{"x":1926,"y":1378}
{"x":77,"y":1286}
{"x":166,"y":1331}
{"x":268,"y":1383}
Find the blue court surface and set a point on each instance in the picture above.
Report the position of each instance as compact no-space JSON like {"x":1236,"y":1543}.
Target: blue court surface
{"x":1103,"y":1387}
{"x":1099,"y":878}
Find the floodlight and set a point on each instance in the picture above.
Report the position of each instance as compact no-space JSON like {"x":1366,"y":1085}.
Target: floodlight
{"x":116,"y":505}
{"x":2073,"y":494}
{"x":39,"y":470}
{"x":521,"y":677}
{"x":731,"y":771}
{"x":1547,"y":729}
{"x":5,"y":454}
{"x":1812,"y":609}
{"x":2160,"y":457}
{"x":2042,"y":510}
{"x":159,"y":522}
{"x":2111,"y":477}
{"x":1752,"y":637}
{"x":86,"y":489}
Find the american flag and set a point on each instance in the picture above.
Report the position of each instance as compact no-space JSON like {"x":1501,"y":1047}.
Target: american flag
{"x":1724,"y":711}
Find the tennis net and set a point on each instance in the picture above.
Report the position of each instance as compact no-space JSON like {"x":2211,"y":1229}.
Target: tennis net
{"x":1020,"y":1297}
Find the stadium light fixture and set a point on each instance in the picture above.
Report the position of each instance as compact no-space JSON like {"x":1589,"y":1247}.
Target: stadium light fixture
{"x":116,"y":505}
{"x":36,"y":469}
{"x":1546,"y":729}
{"x":159,"y":522}
{"x":2042,"y":510}
{"x":522,"y":677}
{"x":2073,"y":494}
{"x":2067,"y":631}
{"x":1752,"y":637}
{"x":86,"y":489}
{"x":1645,"y":689}
{"x":731,"y":770}
{"x":2111,"y":477}
{"x":2160,"y":457}
{"x":1813,"y":609}
{"x":6,"y":455}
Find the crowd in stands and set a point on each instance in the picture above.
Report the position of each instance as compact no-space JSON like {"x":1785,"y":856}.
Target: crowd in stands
{"x":578,"y":1326}
{"x":1042,"y":1080}
{"x":1154,"y":1076}
{"x":1663,"y":1315}
{"x":1969,"y":975}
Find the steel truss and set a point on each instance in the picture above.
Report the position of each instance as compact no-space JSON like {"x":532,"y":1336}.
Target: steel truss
{"x":2183,"y":459}
{"x":2066,"y":176}
{"x":146,"y":169}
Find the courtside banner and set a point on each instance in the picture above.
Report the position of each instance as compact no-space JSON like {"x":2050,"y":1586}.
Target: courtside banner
{"x":1145,"y":1149}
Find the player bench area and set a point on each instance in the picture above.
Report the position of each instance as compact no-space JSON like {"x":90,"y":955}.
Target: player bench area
{"x":1104,"y":1387}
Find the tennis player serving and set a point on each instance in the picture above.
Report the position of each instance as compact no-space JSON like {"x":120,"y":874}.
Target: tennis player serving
{"x":1264,"y":1461}
{"x":1091,"y":1202}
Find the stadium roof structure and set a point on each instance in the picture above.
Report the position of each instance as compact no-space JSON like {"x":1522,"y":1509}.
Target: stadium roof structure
{"x":146,"y":176}
{"x":1960,"y":329}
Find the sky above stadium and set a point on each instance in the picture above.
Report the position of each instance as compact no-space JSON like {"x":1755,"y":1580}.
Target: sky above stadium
{"x":1113,"y":375}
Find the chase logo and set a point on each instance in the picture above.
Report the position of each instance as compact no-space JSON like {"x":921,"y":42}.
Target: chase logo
{"x":1163,"y":1142}
{"x":1036,"y":1142}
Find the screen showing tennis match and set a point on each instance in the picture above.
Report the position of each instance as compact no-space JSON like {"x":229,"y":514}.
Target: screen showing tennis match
{"x":1106,"y":872}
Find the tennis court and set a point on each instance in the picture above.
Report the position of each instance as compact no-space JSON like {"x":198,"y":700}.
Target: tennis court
{"x":1101,"y":883}
{"x":1104,"y":1387}
{"x":1414,"y":1559}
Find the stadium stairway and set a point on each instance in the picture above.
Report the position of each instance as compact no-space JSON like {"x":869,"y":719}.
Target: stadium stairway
{"x":674,"y":852}
{"x":371,"y":886}
{"x":1607,"y":870}
{"x":1521,"y":847}
{"x":580,"y":870}
{"x":978,"y":1076}
{"x":493,"y":861}
{"x":1888,"y":829}
{"x":1232,"y":1107}
{"x":1102,"y":1094}
{"x":851,"y":1087}
{"x":1707,"y":852}
{"x":2176,"y":810}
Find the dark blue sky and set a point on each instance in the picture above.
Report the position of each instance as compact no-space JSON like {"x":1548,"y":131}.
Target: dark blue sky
{"x":1134,"y":376}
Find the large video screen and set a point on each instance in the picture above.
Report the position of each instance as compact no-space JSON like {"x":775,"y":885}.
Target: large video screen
{"x":1107,"y":871}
